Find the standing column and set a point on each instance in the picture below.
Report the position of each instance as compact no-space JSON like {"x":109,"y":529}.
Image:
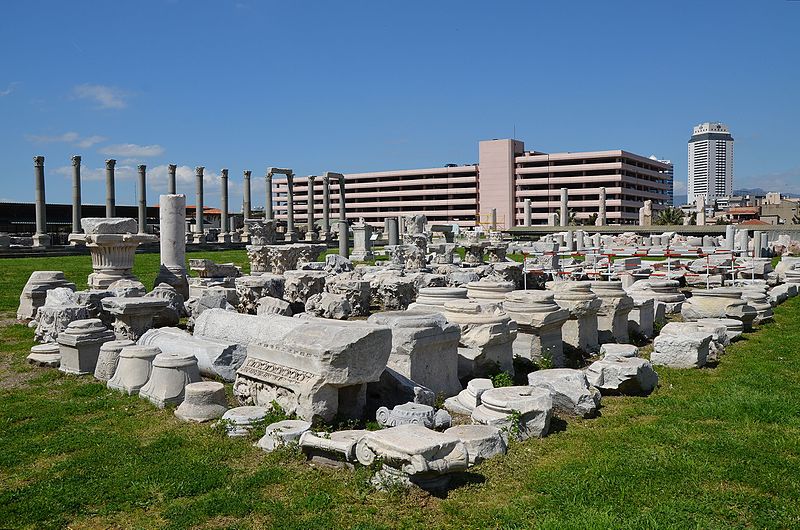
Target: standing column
{"x":730,"y":232}
{"x":198,"y":213}
{"x":110,"y":195}
{"x":343,"y":231}
{"x":563,"y":215}
{"x":311,"y":235}
{"x":41,"y":237}
{"x":76,"y":194}
{"x":224,"y":229}
{"x":142,"y":199}
{"x":527,"y":220}
{"x":171,"y":187}
{"x":757,"y":244}
{"x":601,"y":211}
{"x":493,"y":220}
{"x":326,"y":208}
{"x":392,"y":230}
{"x":291,"y":235}
{"x":247,"y":206}
{"x":268,"y":216}
{"x":172,"y":243}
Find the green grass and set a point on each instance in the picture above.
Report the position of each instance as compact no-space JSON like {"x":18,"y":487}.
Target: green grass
{"x":711,"y":448}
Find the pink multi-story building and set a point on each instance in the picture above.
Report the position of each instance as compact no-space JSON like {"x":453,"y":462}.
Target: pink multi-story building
{"x":505,"y":176}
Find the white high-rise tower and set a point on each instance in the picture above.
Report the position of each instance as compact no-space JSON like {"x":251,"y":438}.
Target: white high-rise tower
{"x":710,"y":162}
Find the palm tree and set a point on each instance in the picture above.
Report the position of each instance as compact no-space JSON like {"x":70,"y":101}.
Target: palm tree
{"x":669,"y":216}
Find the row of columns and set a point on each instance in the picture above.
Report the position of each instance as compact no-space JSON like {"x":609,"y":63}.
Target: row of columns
{"x":42,"y":239}
{"x":564,"y":210}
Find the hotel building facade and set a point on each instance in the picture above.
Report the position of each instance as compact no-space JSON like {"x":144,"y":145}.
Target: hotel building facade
{"x":504,"y":177}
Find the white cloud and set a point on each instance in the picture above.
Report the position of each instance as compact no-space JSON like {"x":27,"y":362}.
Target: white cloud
{"x":89,"y":141}
{"x":68,"y":137}
{"x":9,"y":90}
{"x":132,"y":150}
{"x":679,"y":186}
{"x":105,"y":96}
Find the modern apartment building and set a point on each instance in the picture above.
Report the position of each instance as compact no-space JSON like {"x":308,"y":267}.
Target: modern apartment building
{"x":710,"y":162}
{"x":505,"y":176}
{"x":670,"y":173}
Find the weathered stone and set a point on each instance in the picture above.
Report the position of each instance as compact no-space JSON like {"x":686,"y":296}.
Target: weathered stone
{"x":433,"y":298}
{"x":133,"y":315}
{"x":412,"y":454}
{"x":312,"y":367}
{"x":215,"y":358}
{"x":282,"y":433}
{"x":109,"y":225}
{"x":622,"y":375}
{"x":353,"y":288}
{"x":687,"y":350}
{"x":34,"y":293}
{"x":580,"y":330}
{"x":175,"y":310}
{"x":486,"y":291}
{"x":733,"y":327}
{"x":206,"y":268}
{"x":641,"y":319}
{"x":239,"y":421}
{"x":618,"y":350}
{"x":278,"y":259}
{"x":108,"y":358}
{"x":481,"y":441}
{"x":133,"y":369}
{"x":612,"y":316}
{"x":393,"y":293}
{"x":80,"y":345}
{"x":60,"y":308}
{"x":336,"y":264}
{"x":250,"y":289}
{"x":539,"y":319}
{"x":569,"y":389}
{"x":302,"y":285}
{"x":487,"y":336}
{"x":394,"y":389}
{"x":664,"y":292}
{"x":203,"y":401}
{"x":329,"y":305}
{"x":469,"y":398}
{"x":47,"y":355}
{"x":169,"y":376}
{"x":524,"y":411}
{"x":336,"y":449}
{"x":424,"y":348}
{"x":723,"y":302}
{"x":413,"y":413}
{"x":461,"y":278}
{"x":127,"y":288}
{"x":273,"y":306}
{"x":209,"y":299}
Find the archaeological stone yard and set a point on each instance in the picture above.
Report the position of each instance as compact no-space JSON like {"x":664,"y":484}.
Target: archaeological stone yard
{"x":406,"y":375}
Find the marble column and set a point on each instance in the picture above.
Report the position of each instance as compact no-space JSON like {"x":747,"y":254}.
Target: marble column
{"x":172,"y":243}
{"x":76,"y":194}
{"x":326,"y":208}
{"x":268,"y":215}
{"x":563,"y":214}
{"x":601,"y":212}
{"x":171,"y":185}
{"x":392,"y":232}
{"x":247,"y":206}
{"x":41,"y":237}
{"x":730,"y":233}
{"x":291,"y":235}
{"x":110,"y":194}
{"x":224,"y":230}
{"x":493,"y":220}
{"x":527,"y":220}
{"x":757,"y":244}
{"x":198,"y":212}
{"x":142,"y":199}
{"x":311,"y":235}
{"x":343,"y":230}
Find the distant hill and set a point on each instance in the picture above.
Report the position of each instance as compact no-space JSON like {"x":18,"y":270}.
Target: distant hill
{"x":759,"y":192}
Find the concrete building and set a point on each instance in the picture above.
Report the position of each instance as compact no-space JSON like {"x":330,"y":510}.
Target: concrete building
{"x":710,"y":162}
{"x":670,"y":175}
{"x":505,"y":176}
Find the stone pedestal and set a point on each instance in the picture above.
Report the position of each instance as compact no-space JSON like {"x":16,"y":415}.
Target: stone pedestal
{"x":612,"y":317}
{"x":524,"y":409}
{"x":203,"y":401}
{"x":486,"y":339}
{"x":112,"y":243}
{"x":424,"y":348}
{"x":722,"y":302}
{"x":580,"y":330}
{"x":34,"y":294}
{"x":539,"y":319}
{"x":168,"y":378}
{"x":362,"y":244}
{"x":133,"y":369}
{"x":45,"y":355}
{"x":133,"y":315}
{"x":434,"y":298}
{"x":109,"y":358}
{"x":488,"y":291}
{"x":641,"y":320}
{"x":79,"y":345}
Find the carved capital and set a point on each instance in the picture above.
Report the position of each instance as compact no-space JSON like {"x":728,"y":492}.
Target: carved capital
{"x":142,"y":168}
{"x":76,"y":160}
{"x":110,"y":163}
{"x":198,"y":171}
{"x":38,"y":161}
{"x":247,"y":174}
{"x":172,"y":168}
{"x":223,"y":173}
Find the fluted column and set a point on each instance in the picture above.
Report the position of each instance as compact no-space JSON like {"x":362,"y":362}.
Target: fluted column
{"x":76,"y":194}
{"x":268,"y":215}
{"x":41,"y":237}
{"x":142,"y":199}
{"x":344,"y":251}
{"x":326,"y":208}
{"x":110,"y":194}
{"x":291,"y":235}
{"x":224,"y":235}
{"x":171,"y":186}
{"x":198,"y":214}
{"x":311,"y":235}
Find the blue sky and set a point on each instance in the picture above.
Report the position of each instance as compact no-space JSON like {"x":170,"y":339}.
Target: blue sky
{"x":360,"y":86}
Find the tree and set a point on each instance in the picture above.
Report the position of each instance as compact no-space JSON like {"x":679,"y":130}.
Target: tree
{"x":669,"y":216}
{"x":572,"y":218}
{"x":591,"y":221}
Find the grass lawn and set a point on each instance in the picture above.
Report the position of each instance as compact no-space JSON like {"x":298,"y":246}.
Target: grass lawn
{"x":711,"y":448}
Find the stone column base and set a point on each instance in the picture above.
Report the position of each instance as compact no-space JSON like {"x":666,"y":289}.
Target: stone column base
{"x":224,"y":237}
{"x":41,"y":240}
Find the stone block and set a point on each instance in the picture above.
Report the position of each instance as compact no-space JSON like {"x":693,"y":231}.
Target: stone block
{"x":569,"y":389}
